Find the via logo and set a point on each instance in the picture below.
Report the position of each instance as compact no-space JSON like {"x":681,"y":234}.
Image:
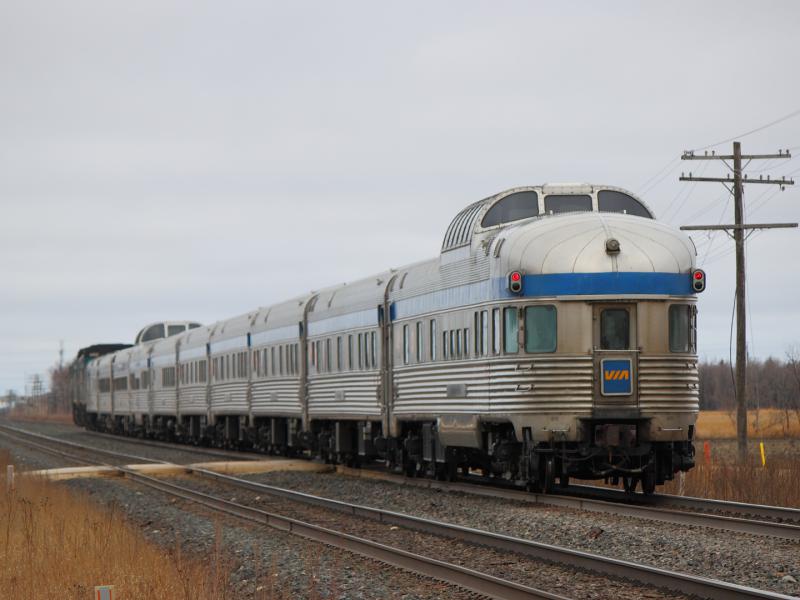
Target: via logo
{"x":616,"y":379}
{"x":609,"y":375}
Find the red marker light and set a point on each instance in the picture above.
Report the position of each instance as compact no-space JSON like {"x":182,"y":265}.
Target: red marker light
{"x":698,"y":280}
{"x":515,"y":276}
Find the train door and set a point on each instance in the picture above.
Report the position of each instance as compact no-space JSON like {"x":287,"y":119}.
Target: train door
{"x":615,"y":356}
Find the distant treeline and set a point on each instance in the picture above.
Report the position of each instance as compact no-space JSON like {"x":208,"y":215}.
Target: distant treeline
{"x":771,"y":383}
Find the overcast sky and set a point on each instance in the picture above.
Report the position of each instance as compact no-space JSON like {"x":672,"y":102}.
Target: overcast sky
{"x":193,"y":160}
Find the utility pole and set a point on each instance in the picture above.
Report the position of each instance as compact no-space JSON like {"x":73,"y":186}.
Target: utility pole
{"x":736,"y":187}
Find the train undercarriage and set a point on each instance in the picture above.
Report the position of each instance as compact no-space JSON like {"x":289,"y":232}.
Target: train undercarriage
{"x":614,"y":453}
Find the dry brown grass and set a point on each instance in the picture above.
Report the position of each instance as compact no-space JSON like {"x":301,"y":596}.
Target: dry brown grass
{"x":56,"y":544}
{"x":776,"y":484}
{"x":767,"y":423}
{"x":39,"y":412}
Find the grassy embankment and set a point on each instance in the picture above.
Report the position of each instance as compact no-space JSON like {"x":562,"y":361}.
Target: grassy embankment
{"x":57,"y":544}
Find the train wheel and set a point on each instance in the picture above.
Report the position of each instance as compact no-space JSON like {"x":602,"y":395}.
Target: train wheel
{"x":649,"y":481}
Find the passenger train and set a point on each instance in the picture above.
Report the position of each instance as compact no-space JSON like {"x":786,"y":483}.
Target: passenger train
{"x":554,"y":336}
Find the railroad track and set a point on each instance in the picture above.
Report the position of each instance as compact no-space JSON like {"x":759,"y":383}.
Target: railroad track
{"x":698,"y":512}
{"x":754,"y":519}
{"x":457,"y":575}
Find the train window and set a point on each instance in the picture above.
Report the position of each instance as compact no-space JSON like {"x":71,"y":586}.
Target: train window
{"x":373,"y":349}
{"x":405,"y":344}
{"x":563,"y":203}
{"x":433,"y":339}
{"x":272,"y":361}
{"x":455,"y":344}
{"x":154,"y":332}
{"x":350,"y":352}
{"x":476,"y":319}
{"x":328,"y":354}
{"x":444,"y":345}
{"x":540,"y":328}
{"x":681,"y":328}
{"x":619,"y":202}
{"x":202,"y":373}
{"x":614,"y":329}
{"x":511,"y":336}
{"x":194,"y":325}
{"x":484,"y":333}
{"x":514,"y":207}
{"x":175,"y":329}
{"x":227,"y":373}
{"x":496,"y":331}
{"x":420,"y":346}
{"x":339,"y":353}
{"x":360,"y":357}
{"x":466,"y":343}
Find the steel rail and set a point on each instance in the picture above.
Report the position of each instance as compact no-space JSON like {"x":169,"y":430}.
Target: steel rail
{"x":470,"y":579}
{"x":762,"y":511}
{"x":177,"y":446}
{"x":663,"y":514}
{"x":679,"y":582}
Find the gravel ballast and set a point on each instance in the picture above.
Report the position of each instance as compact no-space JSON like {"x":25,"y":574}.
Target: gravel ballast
{"x":753,"y":561}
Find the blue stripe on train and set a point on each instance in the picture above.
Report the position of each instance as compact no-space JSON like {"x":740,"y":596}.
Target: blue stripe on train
{"x":587,"y":284}
{"x":560,"y":284}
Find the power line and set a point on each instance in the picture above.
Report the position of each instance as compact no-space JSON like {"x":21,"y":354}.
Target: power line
{"x":645,"y":187}
{"x":757,"y":129}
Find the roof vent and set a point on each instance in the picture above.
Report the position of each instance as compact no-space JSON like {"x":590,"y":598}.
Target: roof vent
{"x":612,"y":246}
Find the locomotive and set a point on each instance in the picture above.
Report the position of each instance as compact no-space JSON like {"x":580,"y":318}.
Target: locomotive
{"x":554,"y":336}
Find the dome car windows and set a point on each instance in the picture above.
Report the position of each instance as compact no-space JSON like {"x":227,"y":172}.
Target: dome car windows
{"x":175,"y":329}
{"x":513,"y":207}
{"x":565,"y":203}
{"x":154,"y":332}
{"x":618,"y":202}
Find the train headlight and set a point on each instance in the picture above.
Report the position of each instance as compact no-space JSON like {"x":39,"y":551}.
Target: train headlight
{"x":698,"y":280}
{"x":515,"y":282}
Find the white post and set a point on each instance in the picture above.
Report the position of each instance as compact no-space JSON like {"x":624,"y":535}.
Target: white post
{"x":10,"y":478}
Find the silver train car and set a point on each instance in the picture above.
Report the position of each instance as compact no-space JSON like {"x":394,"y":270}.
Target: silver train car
{"x":553,"y":337}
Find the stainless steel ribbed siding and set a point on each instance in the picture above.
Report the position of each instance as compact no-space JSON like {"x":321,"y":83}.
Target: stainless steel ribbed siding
{"x":104,"y":403}
{"x":139,"y":402}
{"x":165,"y":401}
{"x":229,"y":398}
{"x":122,"y":402}
{"x":557,"y":384}
{"x":668,"y":383}
{"x":350,"y":393}
{"x":276,"y":396}
{"x":192,"y":399}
